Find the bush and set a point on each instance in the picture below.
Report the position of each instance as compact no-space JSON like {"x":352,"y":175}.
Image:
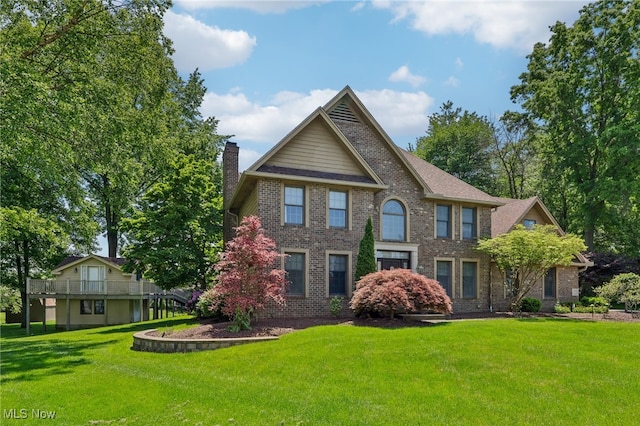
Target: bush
{"x":580,"y":309}
{"x":596,"y":301}
{"x":530,"y":304}
{"x":399,"y":290}
{"x":209,"y":305}
{"x":561,"y":309}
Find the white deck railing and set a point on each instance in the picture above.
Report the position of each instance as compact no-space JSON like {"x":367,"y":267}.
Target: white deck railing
{"x":107,"y":288}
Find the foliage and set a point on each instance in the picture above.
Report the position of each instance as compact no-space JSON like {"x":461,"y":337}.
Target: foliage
{"x":247,"y":277}
{"x":10,"y":300}
{"x":174,"y":234}
{"x":584,"y":89}
{"x":530,"y":304}
{"x":581,"y":309}
{"x":559,"y":308}
{"x":595,"y":301}
{"x":209,"y":304}
{"x":335,"y":305}
{"x":366,"y":262}
{"x":459,"y":142}
{"x":400,"y":290}
{"x":529,"y":253}
{"x":605,"y":267}
{"x":623,"y":288}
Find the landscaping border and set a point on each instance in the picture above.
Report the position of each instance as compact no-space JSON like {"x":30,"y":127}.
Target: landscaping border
{"x":143,"y":342}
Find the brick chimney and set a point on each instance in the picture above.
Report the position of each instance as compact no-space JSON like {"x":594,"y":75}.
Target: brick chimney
{"x":230,"y":177}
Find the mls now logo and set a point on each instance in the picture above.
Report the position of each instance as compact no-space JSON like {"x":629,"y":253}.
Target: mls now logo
{"x":23,"y":413}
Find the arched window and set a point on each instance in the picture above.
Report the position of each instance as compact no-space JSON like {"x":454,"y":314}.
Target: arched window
{"x":393,"y":221}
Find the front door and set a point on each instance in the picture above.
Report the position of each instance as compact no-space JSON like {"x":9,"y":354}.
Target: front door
{"x":393,"y":264}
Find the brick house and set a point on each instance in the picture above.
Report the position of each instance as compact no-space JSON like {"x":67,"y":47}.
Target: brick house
{"x":316,"y":188}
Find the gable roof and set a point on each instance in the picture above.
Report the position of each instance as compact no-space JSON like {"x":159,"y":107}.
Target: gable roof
{"x":504,"y":218}
{"x":69,"y":261}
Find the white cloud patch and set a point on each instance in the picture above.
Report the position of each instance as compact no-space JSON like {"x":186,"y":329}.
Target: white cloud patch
{"x":403,"y":74}
{"x":459,"y":64}
{"x":246,"y":157}
{"x":401,"y":114}
{"x":263,"y":7}
{"x":198,"y":45}
{"x":504,"y":24}
{"x":452,"y":82}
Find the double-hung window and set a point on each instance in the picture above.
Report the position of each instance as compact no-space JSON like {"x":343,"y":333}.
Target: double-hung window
{"x":469,"y":223}
{"x":444,"y":274}
{"x":338,"y":274}
{"x":293,"y":205}
{"x":443,"y":221}
{"x":337,"y":209}
{"x":469,"y":280}
{"x":295,"y":267}
{"x":550,"y":284}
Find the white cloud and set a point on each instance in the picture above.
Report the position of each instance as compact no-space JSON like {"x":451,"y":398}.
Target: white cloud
{"x":401,"y":114}
{"x":246,"y":157}
{"x":403,"y":74}
{"x":256,"y":6}
{"x":459,"y":64}
{"x":205,"y":47}
{"x":504,"y":24}
{"x":452,"y":82}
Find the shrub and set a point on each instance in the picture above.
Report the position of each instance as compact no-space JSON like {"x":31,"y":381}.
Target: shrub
{"x":209,"y":305}
{"x":580,"y":309}
{"x":399,"y":290}
{"x":335,"y":305}
{"x":561,"y":309}
{"x":366,"y":262}
{"x":530,"y":304}
{"x":596,"y":301}
{"x":623,"y":288}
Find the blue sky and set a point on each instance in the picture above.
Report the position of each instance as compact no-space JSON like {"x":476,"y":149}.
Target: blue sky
{"x":267,"y":65}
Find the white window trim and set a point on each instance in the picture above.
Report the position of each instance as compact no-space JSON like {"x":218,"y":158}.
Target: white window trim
{"x":462,"y":223}
{"x":349,"y":283}
{"x":452,"y":260}
{"x":349,"y":204}
{"x":461,"y":289}
{"x":407,"y":219}
{"x":451,"y":221}
{"x":285,"y":251}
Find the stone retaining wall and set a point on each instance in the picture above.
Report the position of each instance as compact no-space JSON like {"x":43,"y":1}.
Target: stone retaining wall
{"x":143,"y":342}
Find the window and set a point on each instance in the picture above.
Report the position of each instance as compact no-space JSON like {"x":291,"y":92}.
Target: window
{"x":293,"y":205}
{"x":338,"y":274}
{"x":98,"y":307}
{"x":469,"y":280}
{"x":469,"y":224}
{"x":444,"y":272}
{"x":85,"y":307}
{"x":550,"y":284}
{"x":529,"y":223}
{"x":443,"y":221}
{"x":294,"y":265}
{"x":511,"y":284}
{"x":337,"y":209}
{"x":393,"y":221}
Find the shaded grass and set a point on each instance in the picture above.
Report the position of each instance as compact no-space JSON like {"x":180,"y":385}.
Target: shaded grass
{"x":534,"y":371}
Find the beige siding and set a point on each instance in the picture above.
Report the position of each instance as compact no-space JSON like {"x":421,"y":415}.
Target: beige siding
{"x":536,"y":215}
{"x":250,"y":206}
{"x":72,"y":272}
{"x":316,"y":148}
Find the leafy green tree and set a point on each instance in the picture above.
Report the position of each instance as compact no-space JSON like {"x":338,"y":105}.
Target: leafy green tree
{"x":584,"y":89}
{"x":527,"y":254}
{"x":366,"y":262}
{"x":460,"y":142}
{"x":623,"y":288}
{"x":174,"y":235}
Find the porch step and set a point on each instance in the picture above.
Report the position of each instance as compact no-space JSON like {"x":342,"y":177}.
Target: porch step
{"x":424,"y":317}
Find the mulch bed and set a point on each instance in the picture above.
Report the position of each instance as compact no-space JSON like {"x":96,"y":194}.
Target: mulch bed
{"x":279,"y":326}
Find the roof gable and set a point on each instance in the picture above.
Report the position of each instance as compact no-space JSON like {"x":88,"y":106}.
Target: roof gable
{"x":505,"y":217}
{"x":71,"y":261}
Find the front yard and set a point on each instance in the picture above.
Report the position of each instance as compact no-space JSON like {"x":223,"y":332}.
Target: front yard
{"x":508,"y":371}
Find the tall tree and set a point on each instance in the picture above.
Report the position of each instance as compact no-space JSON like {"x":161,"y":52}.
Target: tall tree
{"x":459,"y":142}
{"x":584,"y":88}
{"x":366,"y":262}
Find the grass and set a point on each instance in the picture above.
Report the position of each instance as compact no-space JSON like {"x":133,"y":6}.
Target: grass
{"x":534,"y":371}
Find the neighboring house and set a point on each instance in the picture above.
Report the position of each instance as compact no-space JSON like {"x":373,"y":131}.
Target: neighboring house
{"x":316,"y":188}
{"x":93,"y":291}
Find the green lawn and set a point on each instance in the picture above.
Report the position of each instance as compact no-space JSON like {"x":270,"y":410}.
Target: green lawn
{"x":530,"y":372}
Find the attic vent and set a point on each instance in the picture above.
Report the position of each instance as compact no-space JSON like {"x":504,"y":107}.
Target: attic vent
{"x":343,"y":112}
